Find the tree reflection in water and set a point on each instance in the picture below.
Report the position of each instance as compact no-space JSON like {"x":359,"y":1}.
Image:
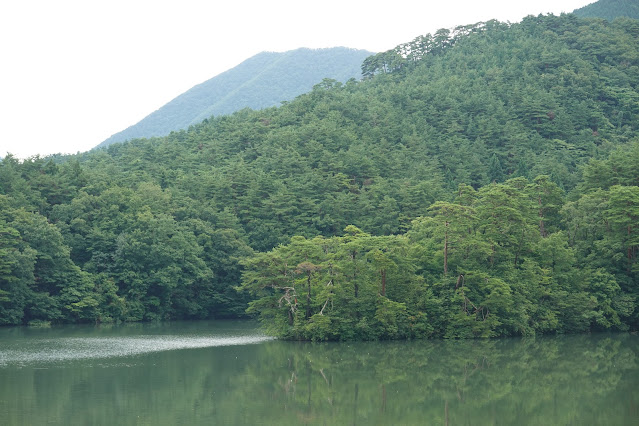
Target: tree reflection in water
{"x":586,"y":379}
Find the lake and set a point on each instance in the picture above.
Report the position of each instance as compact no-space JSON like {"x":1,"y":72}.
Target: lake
{"x":227,"y":373}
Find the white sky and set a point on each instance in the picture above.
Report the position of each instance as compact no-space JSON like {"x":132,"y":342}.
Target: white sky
{"x":74,"y":72}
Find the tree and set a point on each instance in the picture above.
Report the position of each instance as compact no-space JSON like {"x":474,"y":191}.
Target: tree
{"x":495,"y":171}
{"x":548,"y":197}
{"x":623,"y":214}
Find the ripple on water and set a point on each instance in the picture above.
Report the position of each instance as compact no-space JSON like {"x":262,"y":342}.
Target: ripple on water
{"x":73,"y":348}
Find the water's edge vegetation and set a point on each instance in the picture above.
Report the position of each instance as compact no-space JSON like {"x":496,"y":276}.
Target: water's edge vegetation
{"x":478,"y":182}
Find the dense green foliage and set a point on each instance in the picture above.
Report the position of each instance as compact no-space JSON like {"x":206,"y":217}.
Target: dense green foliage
{"x":487,"y":264}
{"x":478,"y":182}
{"x":264,"y":80}
{"x":610,"y":9}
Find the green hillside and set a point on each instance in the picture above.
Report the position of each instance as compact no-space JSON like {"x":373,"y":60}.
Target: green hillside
{"x":265,"y":80}
{"x":481,"y":181}
{"x":610,"y":9}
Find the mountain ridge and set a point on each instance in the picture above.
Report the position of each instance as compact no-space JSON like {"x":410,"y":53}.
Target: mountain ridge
{"x":609,"y":9}
{"x":261,"y":81}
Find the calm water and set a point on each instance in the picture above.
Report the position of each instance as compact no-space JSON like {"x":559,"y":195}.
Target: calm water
{"x":228,"y":373}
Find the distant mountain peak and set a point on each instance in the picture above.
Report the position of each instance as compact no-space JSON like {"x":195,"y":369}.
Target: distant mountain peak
{"x":262,"y":81}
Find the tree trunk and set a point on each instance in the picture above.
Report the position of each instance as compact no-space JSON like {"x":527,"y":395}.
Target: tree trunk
{"x":383,"y":272}
{"x":353,"y":254}
{"x":308,"y":296}
{"x":446,"y":249}
{"x":629,"y":251}
{"x":492,"y":255}
{"x":446,"y":412}
{"x":542,"y":228}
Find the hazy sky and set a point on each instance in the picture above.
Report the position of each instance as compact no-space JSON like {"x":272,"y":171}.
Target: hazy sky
{"x":72,"y":73}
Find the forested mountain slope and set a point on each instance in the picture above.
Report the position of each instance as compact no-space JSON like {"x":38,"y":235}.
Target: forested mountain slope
{"x":478,"y":182}
{"x":264,"y":80}
{"x":610,"y":9}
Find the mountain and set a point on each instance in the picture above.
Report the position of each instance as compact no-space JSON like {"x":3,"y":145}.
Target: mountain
{"x":480,"y":181}
{"x":261,"y":81}
{"x":610,"y":9}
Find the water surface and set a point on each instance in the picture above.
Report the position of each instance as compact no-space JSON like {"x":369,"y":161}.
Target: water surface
{"x":229,"y":373}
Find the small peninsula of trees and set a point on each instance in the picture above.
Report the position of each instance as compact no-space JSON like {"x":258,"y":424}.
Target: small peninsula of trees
{"x":492,"y":262}
{"x":482,"y":181}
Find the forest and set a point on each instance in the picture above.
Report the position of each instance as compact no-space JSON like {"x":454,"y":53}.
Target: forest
{"x":481,"y":181}
{"x":609,"y":9}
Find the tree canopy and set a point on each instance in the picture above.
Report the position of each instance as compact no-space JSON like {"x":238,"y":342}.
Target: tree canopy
{"x":480,"y":181}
